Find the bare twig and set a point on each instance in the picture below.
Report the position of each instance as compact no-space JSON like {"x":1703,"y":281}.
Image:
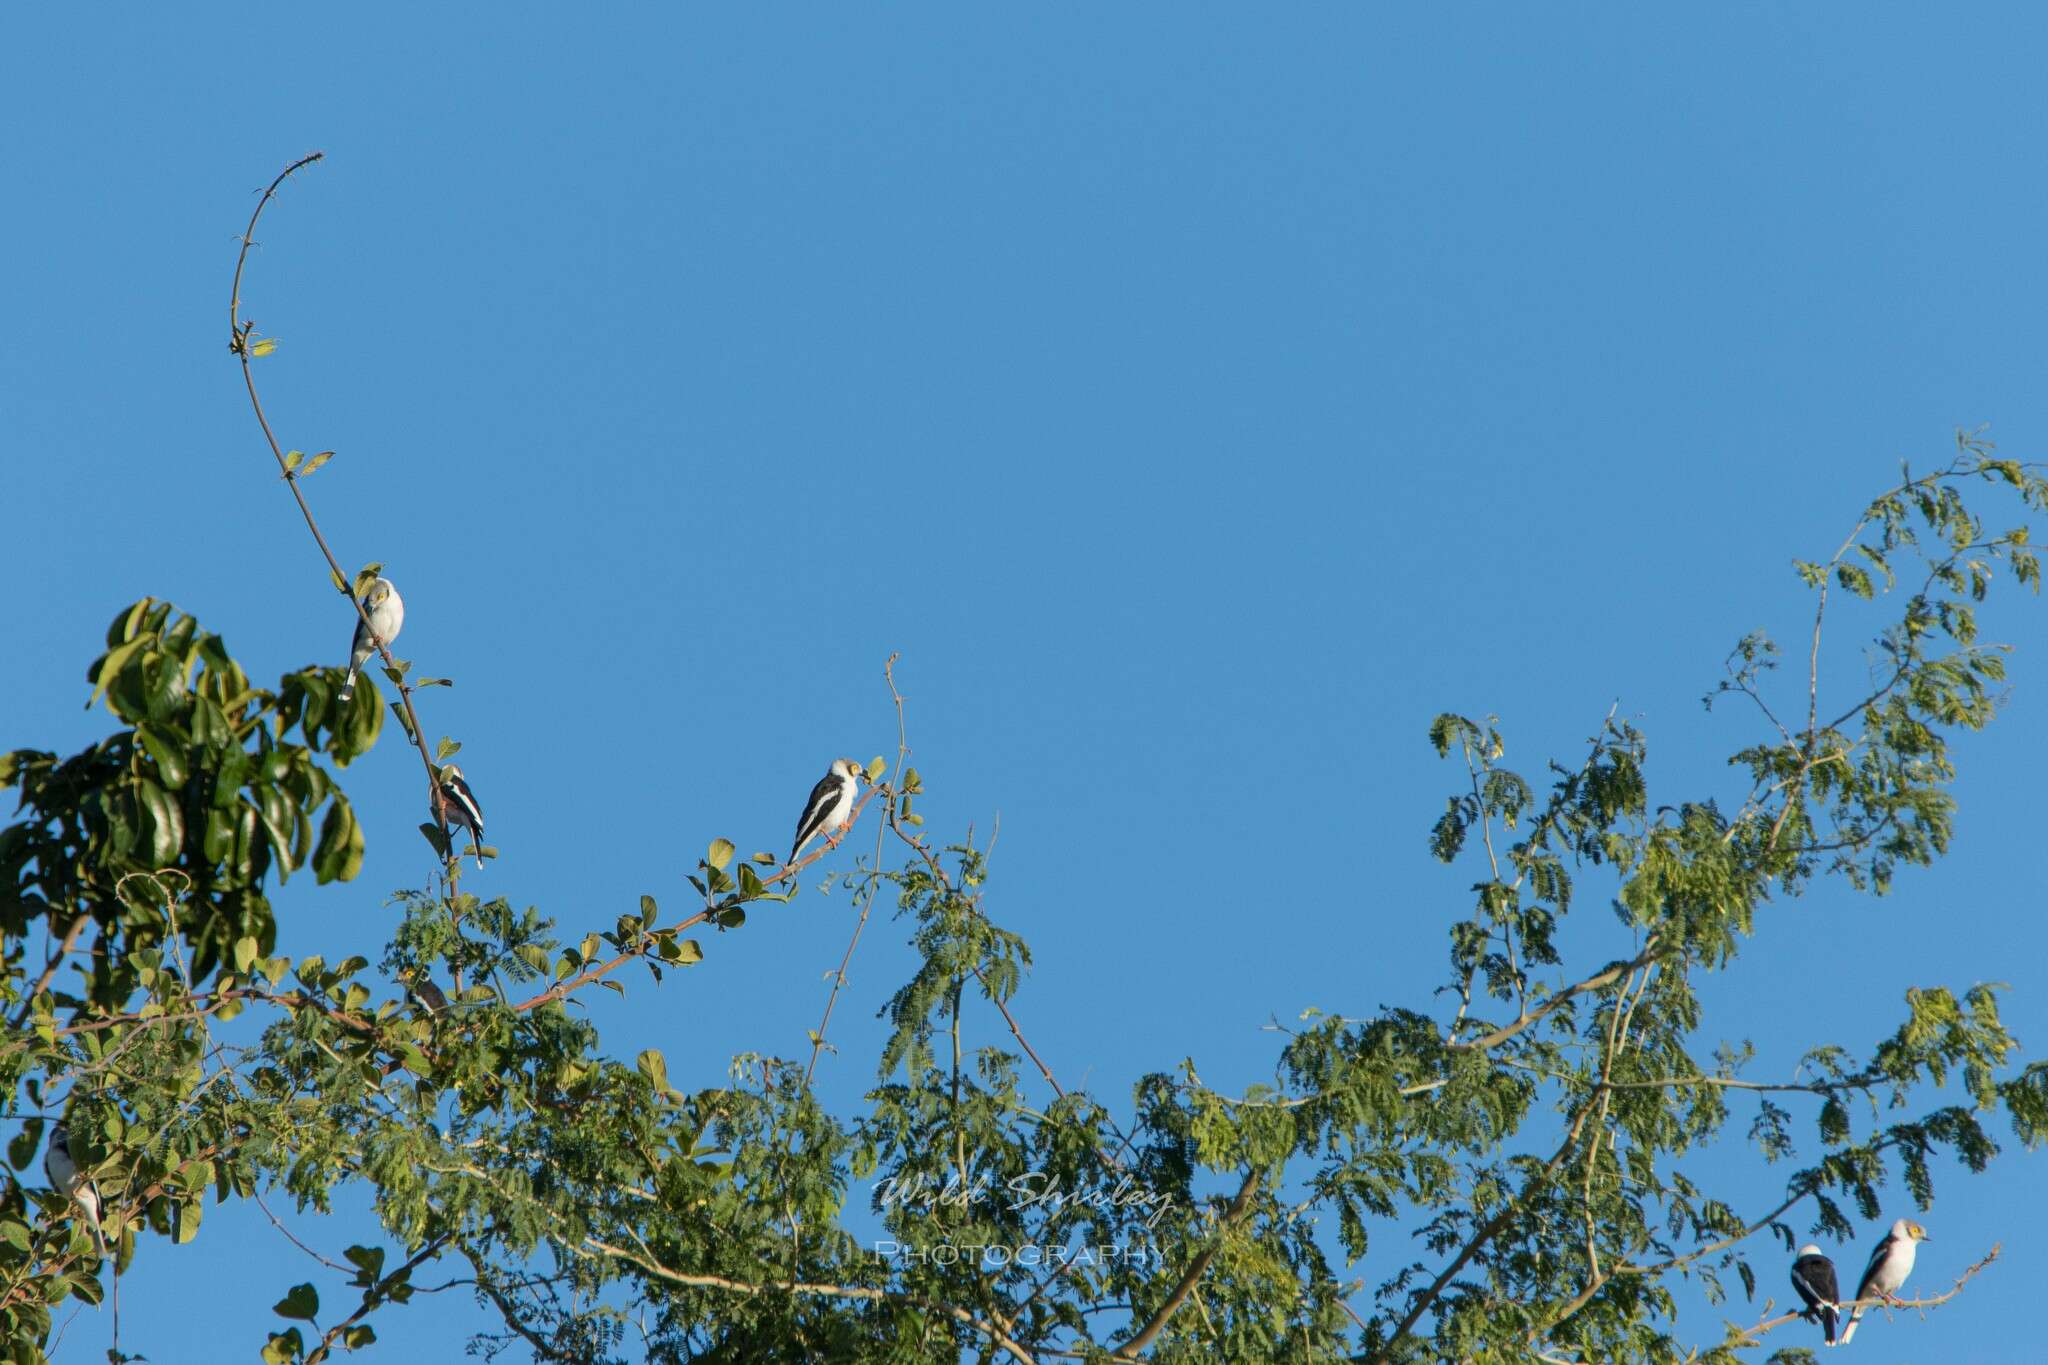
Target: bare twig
{"x":239,"y":342}
{"x":1748,"y":1336}
{"x":868,"y":902}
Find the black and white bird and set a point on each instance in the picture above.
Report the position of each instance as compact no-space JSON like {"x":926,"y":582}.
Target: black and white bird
{"x":1889,"y":1266}
{"x":459,"y":808}
{"x":64,"y":1175}
{"x":422,"y":988}
{"x":386,"y":610}
{"x":830,"y":805}
{"x":1813,"y":1277}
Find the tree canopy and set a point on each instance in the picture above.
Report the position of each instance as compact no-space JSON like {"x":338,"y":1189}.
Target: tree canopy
{"x":1529,"y":1119}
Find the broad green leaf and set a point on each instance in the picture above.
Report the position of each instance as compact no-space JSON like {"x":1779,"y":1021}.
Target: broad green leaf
{"x":369,"y":1264}
{"x":720,"y":853}
{"x":185,"y":1218}
{"x":301,"y":1301}
{"x":168,"y":757}
{"x":655,"y":1068}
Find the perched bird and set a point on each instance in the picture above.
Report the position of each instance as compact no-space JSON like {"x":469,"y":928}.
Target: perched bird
{"x":1813,"y":1276}
{"x":830,"y":804}
{"x":64,"y":1175}
{"x":461,"y":810}
{"x":425,"y":991}
{"x":1889,"y":1266}
{"x":386,"y":611}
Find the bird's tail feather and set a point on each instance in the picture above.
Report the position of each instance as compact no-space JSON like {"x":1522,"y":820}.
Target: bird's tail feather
{"x":1830,"y":1318}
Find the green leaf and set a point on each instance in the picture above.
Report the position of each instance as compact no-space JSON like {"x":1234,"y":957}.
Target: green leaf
{"x":284,"y":1347}
{"x":185,"y":1220}
{"x":292,"y":458}
{"x":314,"y":463}
{"x":339,"y":854}
{"x":21,"y":1148}
{"x":876,"y":767}
{"x":168,"y":757}
{"x":246,"y":949}
{"x":166,"y":825}
{"x":369,"y":1264}
{"x":303,"y":1302}
{"x":720,"y":853}
{"x":109,"y":666}
{"x":655,"y":1068}
{"x":446,"y":750}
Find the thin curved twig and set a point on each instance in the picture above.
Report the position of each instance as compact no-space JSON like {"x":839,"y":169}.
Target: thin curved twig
{"x":239,"y":335}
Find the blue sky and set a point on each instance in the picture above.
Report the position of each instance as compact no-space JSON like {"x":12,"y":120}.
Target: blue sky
{"x":1198,"y":399}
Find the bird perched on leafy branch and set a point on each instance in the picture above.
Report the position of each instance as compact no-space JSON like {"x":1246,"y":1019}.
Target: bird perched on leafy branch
{"x":1889,"y":1266}
{"x":64,"y":1175}
{"x":1813,"y":1277}
{"x":830,"y":806}
{"x":461,"y":811}
{"x":422,"y":988}
{"x":386,"y":612}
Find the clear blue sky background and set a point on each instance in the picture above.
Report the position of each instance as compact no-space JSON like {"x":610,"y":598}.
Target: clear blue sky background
{"x":1199,"y":398}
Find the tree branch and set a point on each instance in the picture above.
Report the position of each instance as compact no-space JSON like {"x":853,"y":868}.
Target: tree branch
{"x":835,"y":1291}
{"x":239,"y":343}
{"x":1154,"y":1325}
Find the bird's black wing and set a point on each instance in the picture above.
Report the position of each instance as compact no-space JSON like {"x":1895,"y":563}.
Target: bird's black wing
{"x":816,"y":809}
{"x":1870,"y":1271}
{"x":457,"y":791}
{"x":1814,"y":1278}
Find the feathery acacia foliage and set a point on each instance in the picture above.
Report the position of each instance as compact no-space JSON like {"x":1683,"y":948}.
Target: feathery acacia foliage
{"x":1535,"y":1125}
{"x":1497,"y":1171}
